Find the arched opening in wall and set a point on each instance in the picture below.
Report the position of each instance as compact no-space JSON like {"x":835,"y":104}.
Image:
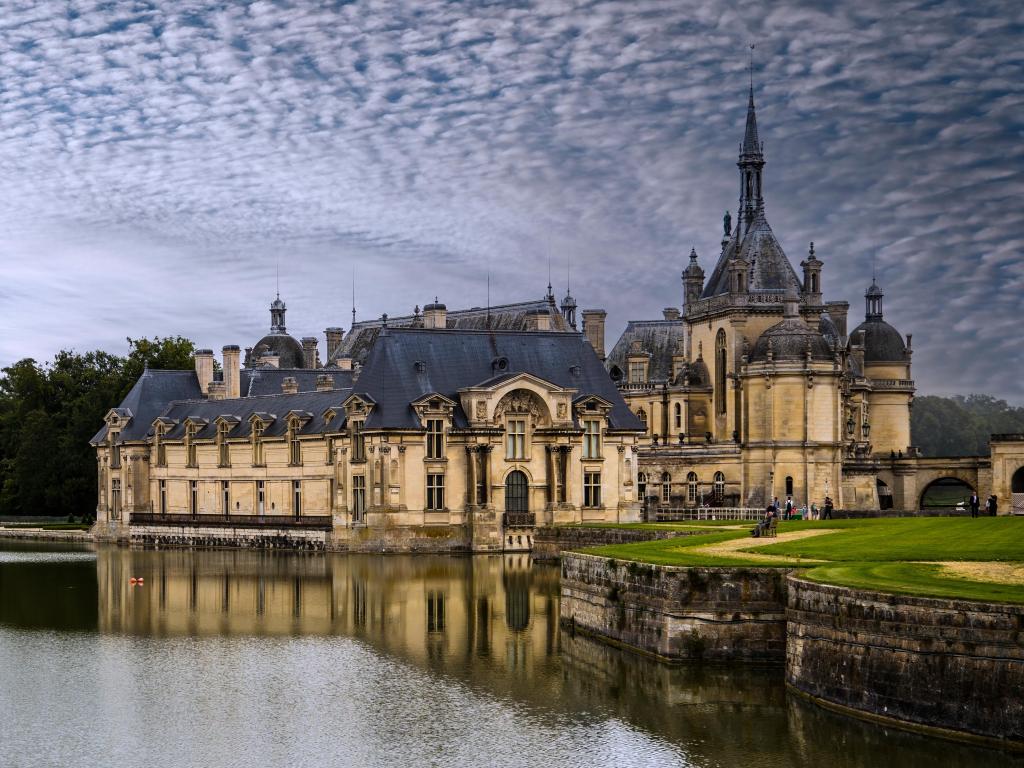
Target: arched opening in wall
{"x":721,"y":358}
{"x":691,"y":487}
{"x":642,"y":415}
{"x":719,"y":487}
{"x":1017,"y":492}
{"x":679,"y":416}
{"x":945,"y":493}
{"x":666,"y":487}
{"x":517,"y":496}
{"x":789,"y":485}
{"x":884,"y":494}
{"x":641,"y":485}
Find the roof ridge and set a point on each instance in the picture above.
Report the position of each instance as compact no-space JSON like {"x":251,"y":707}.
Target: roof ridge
{"x":258,"y":397}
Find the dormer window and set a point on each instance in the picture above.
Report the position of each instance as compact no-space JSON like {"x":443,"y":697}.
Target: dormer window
{"x":637,"y":371}
{"x":435,"y":439}
{"x":358,"y":441}
{"x":294,"y":446}
{"x":223,"y":454}
{"x":191,"y":452}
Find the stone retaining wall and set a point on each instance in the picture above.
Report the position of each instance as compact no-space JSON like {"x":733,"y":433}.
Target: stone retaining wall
{"x":947,"y":664}
{"x":40,"y":534}
{"x":549,"y":543}
{"x":677,"y":613}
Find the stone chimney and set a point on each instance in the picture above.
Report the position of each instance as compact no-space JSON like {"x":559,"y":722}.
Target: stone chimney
{"x":204,"y":369}
{"x":324,"y":382}
{"x":232,"y":375}
{"x":290,"y":385}
{"x":435,"y":315}
{"x":217,"y":390}
{"x":593,"y":329}
{"x":309,"y":352}
{"x":344,"y":363}
{"x":538,"y":320}
{"x":670,"y":313}
{"x":334,"y":336}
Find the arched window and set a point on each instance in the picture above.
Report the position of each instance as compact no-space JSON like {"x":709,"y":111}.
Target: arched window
{"x":517,"y":498}
{"x":666,"y":487}
{"x":691,"y":487}
{"x":642,"y":415}
{"x":719,"y":486}
{"x":721,"y":358}
{"x":679,"y":416}
{"x":789,"y":485}
{"x":641,"y":485}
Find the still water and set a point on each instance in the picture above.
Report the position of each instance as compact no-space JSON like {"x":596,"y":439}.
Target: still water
{"x":239,"y":658}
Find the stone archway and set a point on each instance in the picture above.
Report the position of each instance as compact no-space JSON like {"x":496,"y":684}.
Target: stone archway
{"x":945,"y":493}
{"x":1017,"y":492}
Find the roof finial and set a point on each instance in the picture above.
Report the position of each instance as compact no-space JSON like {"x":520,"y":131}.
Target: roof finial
{"x":278,"y":283}
{"x":353,"y":294}
{"x":752,"y":71}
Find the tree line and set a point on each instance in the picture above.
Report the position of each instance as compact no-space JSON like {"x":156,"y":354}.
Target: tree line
{"x":48,"y":413}
{"x":959,"y":425}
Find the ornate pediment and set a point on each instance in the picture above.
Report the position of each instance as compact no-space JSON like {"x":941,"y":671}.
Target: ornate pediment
{"x":521,"y":402}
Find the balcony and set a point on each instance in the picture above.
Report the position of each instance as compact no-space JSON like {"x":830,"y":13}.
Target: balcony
{"x":319,"y":522}
{"x":519,"y":520}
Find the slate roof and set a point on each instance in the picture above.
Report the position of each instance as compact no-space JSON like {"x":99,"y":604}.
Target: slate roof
{"x":148,"y":398}
{"x":769,"y":268}
{"x":790,"y":339}
{"x":453,"y":360}
{"x":276,"y":407}
{"x":267,"y":381}
{"x":659,"y":338}
{"x":503,"y":317}
{"x":882,"y":342}
{"x":287,"y":348}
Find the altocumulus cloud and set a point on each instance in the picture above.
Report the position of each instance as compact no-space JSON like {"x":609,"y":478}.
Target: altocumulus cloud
{"x":160,"y":160}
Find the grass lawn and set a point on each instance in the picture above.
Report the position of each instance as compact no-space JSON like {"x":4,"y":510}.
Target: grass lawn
{"x":887,"y":554}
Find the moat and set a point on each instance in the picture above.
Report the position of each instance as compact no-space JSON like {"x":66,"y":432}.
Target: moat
{"x":238,"y":658}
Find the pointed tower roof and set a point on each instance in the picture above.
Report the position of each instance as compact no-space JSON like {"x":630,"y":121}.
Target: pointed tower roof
{"x":751,"y":146}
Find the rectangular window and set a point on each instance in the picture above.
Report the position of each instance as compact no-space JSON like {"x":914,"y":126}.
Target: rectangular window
{"x":591,"y":439}
{"x":435,"y":492}
{"x":257,"y":443}
{"x":115,"y":498}
{"x":516,"y":439}
{"x":163,"y":497}
{"x":294,"y":450}
{"x":261,"y":497}
{"x":591,"y":489}
{"x":161,"y":452}
{"x":435,"y":439}
{"x":223,"y":456}
{"x":191,"y":457}
{"x":193,"y":497}
{"x":225,"y":498}
{"x":358,"y":446}
{"x":296,"y":497}
{"x":358,"y":496}
{"x":330,"y":450}
{"x":115,"y":457}
{"x":636,"y":372}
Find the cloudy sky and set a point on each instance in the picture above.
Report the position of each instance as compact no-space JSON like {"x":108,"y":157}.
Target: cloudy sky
{"x":159,"y":160}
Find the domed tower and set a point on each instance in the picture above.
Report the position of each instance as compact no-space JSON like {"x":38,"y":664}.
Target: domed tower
{"x":287,"y":349}
{"x":791,"y":409}
{"x":886,"y":366}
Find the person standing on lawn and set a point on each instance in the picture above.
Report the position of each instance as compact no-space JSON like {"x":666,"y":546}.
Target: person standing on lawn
{"x":827,"y":513}
{"x":975,"y":503}
{"x":789,"y":508}
{"x":993,"y":505}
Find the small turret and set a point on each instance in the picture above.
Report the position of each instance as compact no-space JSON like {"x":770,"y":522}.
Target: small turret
{"x":569,"y":309}
{"x":693,"y":279}
{"x":812,"y":277}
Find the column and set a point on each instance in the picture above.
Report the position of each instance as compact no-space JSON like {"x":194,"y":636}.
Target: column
{"x":471,"y":460}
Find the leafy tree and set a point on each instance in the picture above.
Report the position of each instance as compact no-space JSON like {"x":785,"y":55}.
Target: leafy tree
{"x":48,"y":413}
{"x":959,"y":425}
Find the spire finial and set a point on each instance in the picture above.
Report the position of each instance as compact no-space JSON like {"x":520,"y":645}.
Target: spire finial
{"x":353,"y":294}
{"x":752,"y":73}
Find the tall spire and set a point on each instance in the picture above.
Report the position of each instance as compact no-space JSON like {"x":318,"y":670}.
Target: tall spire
{"x":751,"y":163}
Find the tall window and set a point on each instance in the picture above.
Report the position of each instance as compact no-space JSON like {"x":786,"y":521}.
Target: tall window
{"x":516,"y":439}
{"x":261,"y":497}
{"x":517,"y":492}
{"x":294,"y":446}
{"x":720,"y":365}
{"x":435,"y":492}
{"x":330,"y":450}
{"x":163,"y":497}
{"x":191,"y":457}
{"x":719,"y":486}
{"x":193,"y":497}
{"x":224,"y":458}
{"x":666,"y":487}
{"x":636,"y":371}
{"x":225,"y":498}
{"x":358,"y":442}
{"x":161,"y":448}
{"x":591,"y":439}
{"x":679,"y":416}
{"x":789,"y":486}
{"x":358,"y":496}
{"x":691,"y":487}
{"x":641,"y":485}
{"x":115,"y":453}
{"x":435,"y":439}
{"x":296,"y":497}
{"x":257,"y":443}
{"x":115,"y":498}
{"x":642,"y":415}
{"x":591,"y":489}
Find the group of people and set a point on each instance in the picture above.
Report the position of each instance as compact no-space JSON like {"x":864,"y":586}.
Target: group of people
{"x":775,"y":510}
{"x":991,"y":505}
